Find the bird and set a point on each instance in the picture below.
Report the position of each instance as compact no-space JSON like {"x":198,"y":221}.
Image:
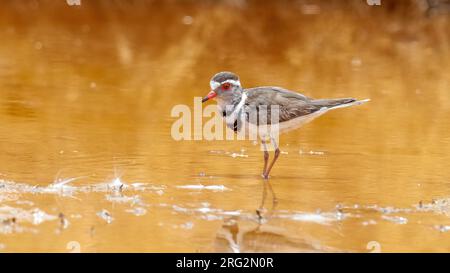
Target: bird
{"x":238,"y":105}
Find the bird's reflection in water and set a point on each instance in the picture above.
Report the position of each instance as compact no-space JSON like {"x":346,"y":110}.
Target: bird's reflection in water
{"x":261,"y":210}
{"x":241,"y":235}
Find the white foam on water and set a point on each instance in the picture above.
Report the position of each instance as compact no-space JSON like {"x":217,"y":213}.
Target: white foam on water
{"x":318,"y":218}
{"x":105,"y":215}
{"x":12,"y":219}
{"x":187,"y":225}
{"x":395,"y":219}
{"x":203,"y":187}
{"x":138,"y":211}
{"x":442,"y":228}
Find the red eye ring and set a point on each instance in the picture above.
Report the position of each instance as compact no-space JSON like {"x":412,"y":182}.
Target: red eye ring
{"x":226,"y":86}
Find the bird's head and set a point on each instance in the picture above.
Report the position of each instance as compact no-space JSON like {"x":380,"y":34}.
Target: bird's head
{"x":224,"y":86}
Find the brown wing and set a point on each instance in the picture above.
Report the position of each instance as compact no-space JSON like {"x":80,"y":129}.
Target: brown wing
{"x":291,"y":104}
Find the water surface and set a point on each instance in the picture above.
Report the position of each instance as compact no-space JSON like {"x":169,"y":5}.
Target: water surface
{"x":87,"y":159}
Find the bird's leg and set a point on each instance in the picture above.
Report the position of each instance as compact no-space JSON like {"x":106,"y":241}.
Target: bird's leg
{"x":276,"y":154}
{"x":266,"y":157}
{"x":275,"y":157}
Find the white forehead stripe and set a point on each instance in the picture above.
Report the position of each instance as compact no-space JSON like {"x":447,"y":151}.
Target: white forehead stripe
{"x":215,"y":84}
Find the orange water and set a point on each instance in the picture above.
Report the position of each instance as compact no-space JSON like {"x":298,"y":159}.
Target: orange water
{"x":86,"y":93}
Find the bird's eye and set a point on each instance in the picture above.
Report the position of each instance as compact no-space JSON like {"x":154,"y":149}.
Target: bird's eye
{"x":226,"y":86}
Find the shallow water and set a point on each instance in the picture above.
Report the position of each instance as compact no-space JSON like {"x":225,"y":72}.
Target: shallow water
{"x":88,"y":163}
